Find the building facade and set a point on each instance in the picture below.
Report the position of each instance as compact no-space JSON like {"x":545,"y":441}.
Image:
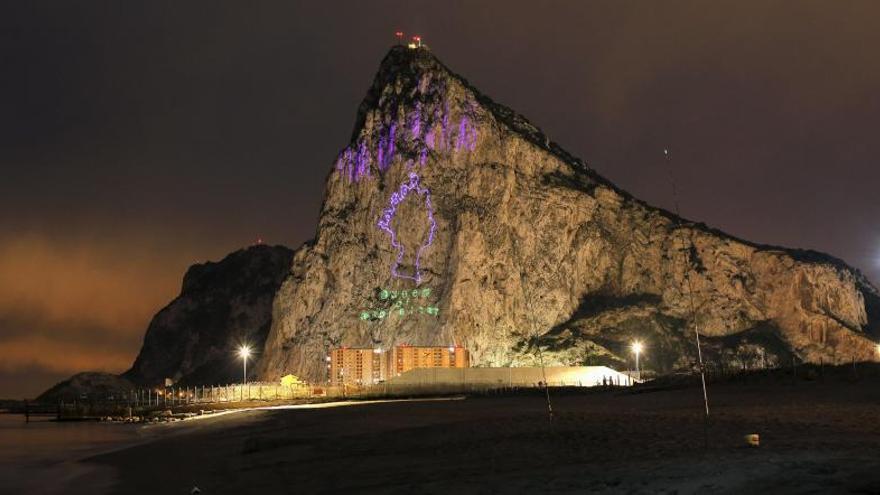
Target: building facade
{"x":405,"y":357}
{"x":356,"y":366}
{"x":368,"y":366}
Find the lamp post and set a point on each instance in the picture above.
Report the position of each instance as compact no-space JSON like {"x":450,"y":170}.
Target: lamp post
{"x":637,"y":349}
{"x":244,"y":352}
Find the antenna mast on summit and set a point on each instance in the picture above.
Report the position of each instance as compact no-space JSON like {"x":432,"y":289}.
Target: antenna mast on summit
{"x":687,"y":277}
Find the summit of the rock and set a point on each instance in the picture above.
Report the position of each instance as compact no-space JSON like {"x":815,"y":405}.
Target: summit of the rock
{"x":408,"y":66}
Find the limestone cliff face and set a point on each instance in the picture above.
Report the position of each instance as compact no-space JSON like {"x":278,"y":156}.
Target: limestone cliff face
{"x":450,"y":219}
{"x":221,"y":305}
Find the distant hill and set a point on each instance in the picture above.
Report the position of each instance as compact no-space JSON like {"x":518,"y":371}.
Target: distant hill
{"x":194,"y":338}
{"x":221,"y":306}
{"x":87,"y":385}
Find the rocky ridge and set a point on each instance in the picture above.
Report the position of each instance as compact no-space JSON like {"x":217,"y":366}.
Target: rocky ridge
{"x":449,"y":218}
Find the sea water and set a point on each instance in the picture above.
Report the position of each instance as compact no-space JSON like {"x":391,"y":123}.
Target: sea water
{"x":40,"y":456}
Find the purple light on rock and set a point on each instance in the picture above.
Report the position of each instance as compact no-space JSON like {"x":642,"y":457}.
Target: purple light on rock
{"x":429,"y":139}
{"x":380,"y":152}
{"x":472,"y":141}
{"x":348,"y":165}
{"x":384,"y":223}
{"x":462,"y":133}
{"x":391,"y":139}
{"x":416,"y":122}
{"x":467,"y":135}
{"x":362,"y":161}
{"x":388,"y":155}
{"x":385,"y":148}
{"x":444,"y":137}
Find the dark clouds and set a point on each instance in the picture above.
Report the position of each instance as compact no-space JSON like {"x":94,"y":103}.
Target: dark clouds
{"x":139,"y":137}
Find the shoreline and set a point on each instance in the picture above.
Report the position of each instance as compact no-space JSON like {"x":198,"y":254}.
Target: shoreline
{"x":98,"y":478}
{"x":815,"y":436}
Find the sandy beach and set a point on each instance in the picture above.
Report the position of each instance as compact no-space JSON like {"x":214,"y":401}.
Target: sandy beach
{"x":816,"y":437}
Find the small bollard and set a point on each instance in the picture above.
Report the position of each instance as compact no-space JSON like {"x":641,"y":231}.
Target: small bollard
{"x":753,"y":440}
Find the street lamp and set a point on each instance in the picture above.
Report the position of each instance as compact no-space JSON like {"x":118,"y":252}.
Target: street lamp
{"x":244,"y":353}
{"x":637,"y":349}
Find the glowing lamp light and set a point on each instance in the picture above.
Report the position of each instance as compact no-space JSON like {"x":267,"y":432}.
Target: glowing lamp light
{"x":244,"y":352}
{"x":637,"y":347}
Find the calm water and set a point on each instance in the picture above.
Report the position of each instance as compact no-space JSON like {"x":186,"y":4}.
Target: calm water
{"x":38,"y":457}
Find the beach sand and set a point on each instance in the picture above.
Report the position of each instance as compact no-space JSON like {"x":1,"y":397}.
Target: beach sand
{"x":816,"y":437}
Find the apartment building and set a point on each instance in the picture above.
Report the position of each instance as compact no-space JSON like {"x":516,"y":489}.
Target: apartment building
{"x":368,"y":366}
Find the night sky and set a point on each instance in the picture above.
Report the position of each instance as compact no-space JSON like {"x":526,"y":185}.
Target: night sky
{"x":137,"y":138}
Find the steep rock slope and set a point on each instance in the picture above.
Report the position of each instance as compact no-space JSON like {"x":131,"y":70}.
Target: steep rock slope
{"x":221,"y":306}
{"x":451,"y":219}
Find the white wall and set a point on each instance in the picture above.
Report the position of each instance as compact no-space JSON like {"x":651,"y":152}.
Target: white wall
{"x":585,"y":376}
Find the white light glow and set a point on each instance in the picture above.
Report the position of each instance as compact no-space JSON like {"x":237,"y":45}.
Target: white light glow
{"x":637,"y":347}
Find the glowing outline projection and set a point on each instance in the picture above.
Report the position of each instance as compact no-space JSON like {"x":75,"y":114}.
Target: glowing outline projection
{"x":394,"y":302}
{"x":384,"y":223}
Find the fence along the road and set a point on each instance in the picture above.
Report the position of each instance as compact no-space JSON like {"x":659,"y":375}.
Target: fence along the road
{"x":168,"y":397}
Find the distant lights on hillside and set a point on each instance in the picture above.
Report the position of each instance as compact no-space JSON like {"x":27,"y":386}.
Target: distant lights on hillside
{"x":415,"y":41}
